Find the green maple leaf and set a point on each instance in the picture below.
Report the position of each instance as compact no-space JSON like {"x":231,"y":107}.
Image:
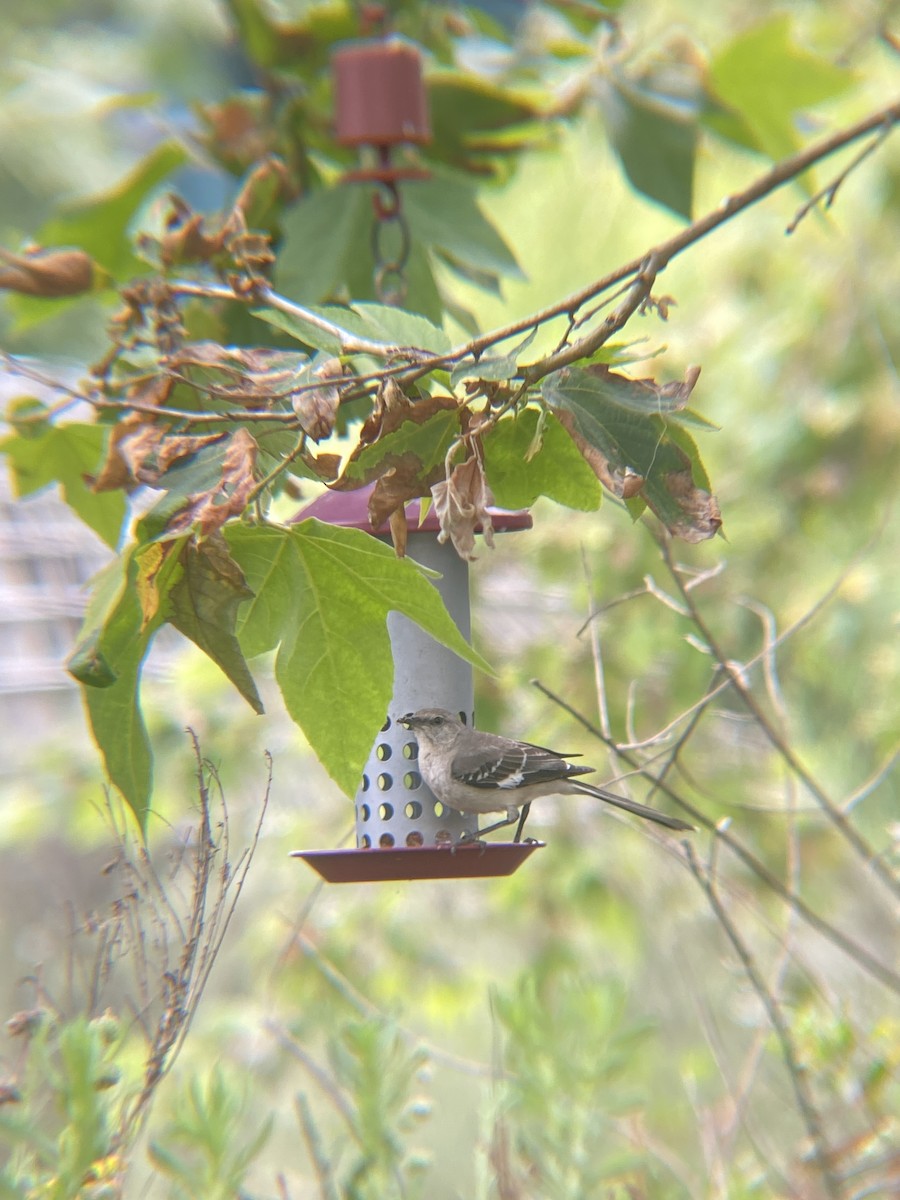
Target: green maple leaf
{"x":322,"y":595}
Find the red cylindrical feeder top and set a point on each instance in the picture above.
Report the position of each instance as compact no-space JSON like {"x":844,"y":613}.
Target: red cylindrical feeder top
{"x":380,"y":96}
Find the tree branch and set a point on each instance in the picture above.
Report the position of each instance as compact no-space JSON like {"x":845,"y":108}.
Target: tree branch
{"x":839,"y":819}
{"x":656,"y":259}
{"x":795,"y":1068}
{"x":643,"y":271}
{"x":860,"y":955}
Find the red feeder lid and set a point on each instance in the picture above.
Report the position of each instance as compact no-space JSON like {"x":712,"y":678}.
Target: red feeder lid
{"x":379,"y":94}
{"x":351,"y":510}
{"x":419,"y":862}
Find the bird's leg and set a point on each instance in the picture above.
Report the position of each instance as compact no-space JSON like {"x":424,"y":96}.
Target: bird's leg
{"x":522,"y":819}
{"x":512,"y":815}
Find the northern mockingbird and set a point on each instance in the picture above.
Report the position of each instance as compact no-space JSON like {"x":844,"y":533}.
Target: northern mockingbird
{"x":482,"y":772}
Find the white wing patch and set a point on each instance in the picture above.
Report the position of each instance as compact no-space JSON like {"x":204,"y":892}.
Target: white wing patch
{"x":517,"y":779}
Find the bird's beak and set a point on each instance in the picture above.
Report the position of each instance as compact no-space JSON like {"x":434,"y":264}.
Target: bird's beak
{"x":409,"y":721}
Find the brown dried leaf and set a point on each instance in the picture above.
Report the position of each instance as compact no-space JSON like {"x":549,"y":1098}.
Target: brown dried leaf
{"x":461,"y":503}
{"x":644,"y":394}
{"x":317,"y":408}
{"x":140,"y":451}
{"x":702,"y":518}
{"x":679,"y":389}
{"x":151,"y":393}
{"x":206,"y":512}
{"x":137,"y":445}
{"x":399,"y":531}
{"x":240,"y":128}
{"x":326,"y":466}
{"x":128,"y":445}
{"x":254,"y":375}
{"x":174,"y":448}
{"x":205,"y":354}
{"x":396,"y":486}
{"x":391,"y":409}
{"x":251,"y":251}
{"x":47,"y":273}
{"x":188,"y":237}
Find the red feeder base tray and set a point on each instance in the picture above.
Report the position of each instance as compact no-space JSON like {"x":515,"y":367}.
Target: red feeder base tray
{"x":418,"y":862}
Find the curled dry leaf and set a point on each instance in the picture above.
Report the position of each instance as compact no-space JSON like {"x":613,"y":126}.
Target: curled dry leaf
{"x":317,"y":408}
{"x":190,"y":238}
{"x":124,"y":453}
{"x":646,"y":395}
{"x":461,"y":503}
{"x":392,"y":407}
{"x":253,"y":375}
{"x":208,"y":511}
{"x":141,"y":451}
{"x":702,"y":518}
{"x":187,"y":238}
{"x":680,"y":389}
{"x":398,"y":483}
{"x":400,"y":474}
{"x":326,"y":466}
{"x":51,"y":274}
{"x":251,"y":252}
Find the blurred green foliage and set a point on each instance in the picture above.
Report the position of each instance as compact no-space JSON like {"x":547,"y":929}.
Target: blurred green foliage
{"x":586,"y":1027}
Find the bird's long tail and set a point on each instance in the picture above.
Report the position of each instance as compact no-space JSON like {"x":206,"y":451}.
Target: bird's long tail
{"x":632,"y":806}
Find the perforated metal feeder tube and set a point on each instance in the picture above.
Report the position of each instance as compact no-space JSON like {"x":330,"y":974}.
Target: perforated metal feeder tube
{"x":402,"y":831}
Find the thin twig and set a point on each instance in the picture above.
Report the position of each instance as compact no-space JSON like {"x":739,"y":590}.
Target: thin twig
{"x":642,"y":271}
{"x":317,"y":1156}
{"x":869,"y":785}
{"x":261,"y":293}
{"x":848,"y":831}
{"x":830,"y":191}
{"x":869,"y":963}
{"x":371,"y":1012}
{"x":795,"y":1068}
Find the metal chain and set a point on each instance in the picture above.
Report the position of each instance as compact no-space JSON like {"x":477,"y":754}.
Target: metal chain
{"x":391,"y":244}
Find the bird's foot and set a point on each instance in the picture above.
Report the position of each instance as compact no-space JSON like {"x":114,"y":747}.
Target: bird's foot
{"x":468,"y":839}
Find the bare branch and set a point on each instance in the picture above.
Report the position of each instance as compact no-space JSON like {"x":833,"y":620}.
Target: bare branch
{"x":260,"y":293}
{"x":869,"y":963}
{"x":829,"y":192}
{"x":848,"y":831}
{"x":795,"y":1068}
{"x":641,"y":271}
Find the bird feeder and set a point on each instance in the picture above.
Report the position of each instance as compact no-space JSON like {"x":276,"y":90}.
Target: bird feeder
{"x":380,"y":102}
{"x":402,"y":830}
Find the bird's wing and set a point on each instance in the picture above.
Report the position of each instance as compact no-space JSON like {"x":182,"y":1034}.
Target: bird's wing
{"x":512,"y":766}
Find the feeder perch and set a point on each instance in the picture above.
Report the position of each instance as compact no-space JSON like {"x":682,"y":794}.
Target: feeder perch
{"x":402,"y":831}
{"x":380,"y":102}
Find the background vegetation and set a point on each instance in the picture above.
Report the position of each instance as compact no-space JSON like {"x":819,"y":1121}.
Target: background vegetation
{"x":623,"y":1017}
